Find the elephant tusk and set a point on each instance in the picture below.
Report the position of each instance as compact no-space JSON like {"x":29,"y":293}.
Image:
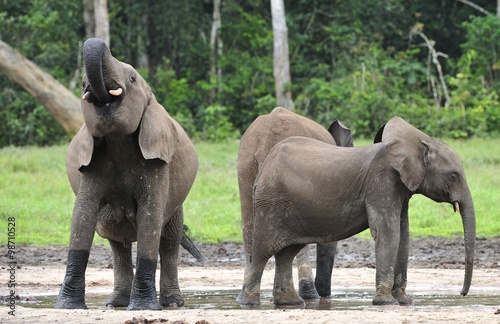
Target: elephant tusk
{"x":456,"y":207}
{"x":116,"y":92}
{"x":86,"y":95}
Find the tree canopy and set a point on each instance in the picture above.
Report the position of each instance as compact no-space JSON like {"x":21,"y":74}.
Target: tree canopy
{"x":358,"y":61}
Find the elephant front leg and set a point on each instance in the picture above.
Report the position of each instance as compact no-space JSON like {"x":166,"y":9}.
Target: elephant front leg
{"x":307,"y":290}
{"x":123,"y":274}
{"x":72,"y":293}
{"x":284,"y":292}
{"x":143,"y":294}
{"x":84,"y":220}
{"x":400,"y":273}
{"x":325,"y":257}
{"x":386,"y":237}
{"x":170,"y":293}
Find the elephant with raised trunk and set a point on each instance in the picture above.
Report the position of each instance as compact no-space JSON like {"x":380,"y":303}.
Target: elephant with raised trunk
{"x":258,"y":140}
{"x":131,"y":167}
{"x":297,"y":201}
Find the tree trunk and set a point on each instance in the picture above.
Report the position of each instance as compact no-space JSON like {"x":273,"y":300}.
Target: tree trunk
{"x":281,"y":63}
{"x":61,"y":103}
{"x":102,"y":20}
{"x":142,"y":44}
{"x":89,"y":18}
{"x":215,"y":51}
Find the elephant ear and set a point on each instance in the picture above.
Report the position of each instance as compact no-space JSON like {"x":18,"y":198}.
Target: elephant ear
{"x":80,"y":149}
{"x":157,"y":133}
{"x":341,"y":134}
{"x":408,"y":150}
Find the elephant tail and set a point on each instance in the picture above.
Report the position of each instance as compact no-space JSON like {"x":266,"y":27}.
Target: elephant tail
{"x":189,"y":246}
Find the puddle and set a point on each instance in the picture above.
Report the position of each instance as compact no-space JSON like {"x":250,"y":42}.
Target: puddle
{"x":352,"y":300}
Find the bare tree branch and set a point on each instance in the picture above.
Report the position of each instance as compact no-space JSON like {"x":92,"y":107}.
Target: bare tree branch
{"x":475,"y":6}
{"x":417,"y":30}
{"x":61,"y":102}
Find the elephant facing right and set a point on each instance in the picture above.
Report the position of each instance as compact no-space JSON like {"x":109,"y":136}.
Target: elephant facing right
{"x":308,"y":191}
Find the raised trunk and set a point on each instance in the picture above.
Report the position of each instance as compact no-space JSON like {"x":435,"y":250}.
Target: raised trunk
{"x":97,"y":59}
{"x":469,"y":222}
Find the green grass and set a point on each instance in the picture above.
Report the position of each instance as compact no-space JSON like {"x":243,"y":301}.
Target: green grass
{"x":34,"y":189}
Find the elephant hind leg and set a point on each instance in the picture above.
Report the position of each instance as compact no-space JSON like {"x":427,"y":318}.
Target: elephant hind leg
{"x":170,"y":293}
{"x":284,"y":292}
{"x":250,"y":292}
{"x":307,"y":290}
{"x":123,"y":274}
{"x":325,"y":257}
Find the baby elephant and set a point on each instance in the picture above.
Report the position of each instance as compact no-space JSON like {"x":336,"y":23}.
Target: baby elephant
{"x":310,"y":192}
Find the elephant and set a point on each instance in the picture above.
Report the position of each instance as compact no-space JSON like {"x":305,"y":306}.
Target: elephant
{"x":260,"y":137}
{"x":308,"y":191}
{"x":131,"y":167}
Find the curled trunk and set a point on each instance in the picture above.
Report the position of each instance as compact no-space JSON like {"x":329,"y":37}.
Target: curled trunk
{"x":98,"y":62}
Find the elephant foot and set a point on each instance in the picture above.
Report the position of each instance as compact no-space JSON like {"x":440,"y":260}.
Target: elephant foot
{"x":67,"y":300}
{"x":324,"y":288}
{"x":384,"y":297}
{"x":248,"y":299}
{"x":287,"y":297}
{"x":70,"y":303}
{"x":144,"y":304}
{"x":402,"y":298}
{"x":288,"y":302}
{"x":118,"y":300}
{"x":174,"y":300}
{"x":307,"y":290}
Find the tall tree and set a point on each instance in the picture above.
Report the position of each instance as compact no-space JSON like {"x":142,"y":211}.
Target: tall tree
{"x":61,"y":103}
{"x":215,"y":50}
{"x":102,"y":20}
{"x":89,"y":18}
{"x":281,"y":61}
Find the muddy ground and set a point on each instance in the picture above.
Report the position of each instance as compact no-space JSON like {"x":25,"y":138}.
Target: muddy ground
{"x":435,"y":265}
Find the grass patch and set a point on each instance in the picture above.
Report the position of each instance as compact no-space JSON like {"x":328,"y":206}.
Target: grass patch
{"x":34,"y":189}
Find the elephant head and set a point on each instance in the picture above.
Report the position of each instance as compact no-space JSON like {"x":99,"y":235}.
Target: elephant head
{"x":432,"y":168}
{"x":117,"y":101}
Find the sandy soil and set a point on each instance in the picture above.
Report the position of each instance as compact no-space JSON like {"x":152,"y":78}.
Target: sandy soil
{"x":436,"y":266}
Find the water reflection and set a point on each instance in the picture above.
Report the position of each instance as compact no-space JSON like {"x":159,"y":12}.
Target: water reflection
{"x":340,"y":300}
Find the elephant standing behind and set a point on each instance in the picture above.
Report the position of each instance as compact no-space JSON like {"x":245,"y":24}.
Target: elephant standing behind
{"x":297,"y":201}
{"x":261,"y":136}
{"x":131,"y":167}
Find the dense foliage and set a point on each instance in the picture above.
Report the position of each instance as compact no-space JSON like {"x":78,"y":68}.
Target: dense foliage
{"x":358,"y":61}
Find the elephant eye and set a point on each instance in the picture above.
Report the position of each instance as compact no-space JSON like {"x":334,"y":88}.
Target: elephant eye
{"x":133,"y":78}
{"x":453,"y":177}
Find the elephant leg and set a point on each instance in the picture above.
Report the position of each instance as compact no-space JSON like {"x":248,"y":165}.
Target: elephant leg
{"x":284,"y":292}
{"x":307,"y":290}
{"x":401,"y":269}
{"x":250,"y":293}
{"x":143,"y":293}
{"x":325,"y":257}
{"x":386,"y":237}
{"x":246,"y":201}
{"x":123,"y":274}
{"x":83,"y":224}
{"x":170,"y":293}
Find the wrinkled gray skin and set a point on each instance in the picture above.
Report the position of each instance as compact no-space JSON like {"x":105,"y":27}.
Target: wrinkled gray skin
{"x":260,"y":137}
{"x":298,"y":201}
{"x":131,"y":166}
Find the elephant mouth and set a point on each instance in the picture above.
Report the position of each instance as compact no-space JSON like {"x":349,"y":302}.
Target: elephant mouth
{"x":89,"y":95}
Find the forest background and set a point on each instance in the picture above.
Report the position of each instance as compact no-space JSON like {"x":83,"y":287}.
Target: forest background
{"x":435,"y":63}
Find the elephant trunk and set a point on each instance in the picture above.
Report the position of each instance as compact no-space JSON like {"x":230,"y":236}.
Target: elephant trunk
{"x":98,"y":62}
{"x":469,"y":222}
